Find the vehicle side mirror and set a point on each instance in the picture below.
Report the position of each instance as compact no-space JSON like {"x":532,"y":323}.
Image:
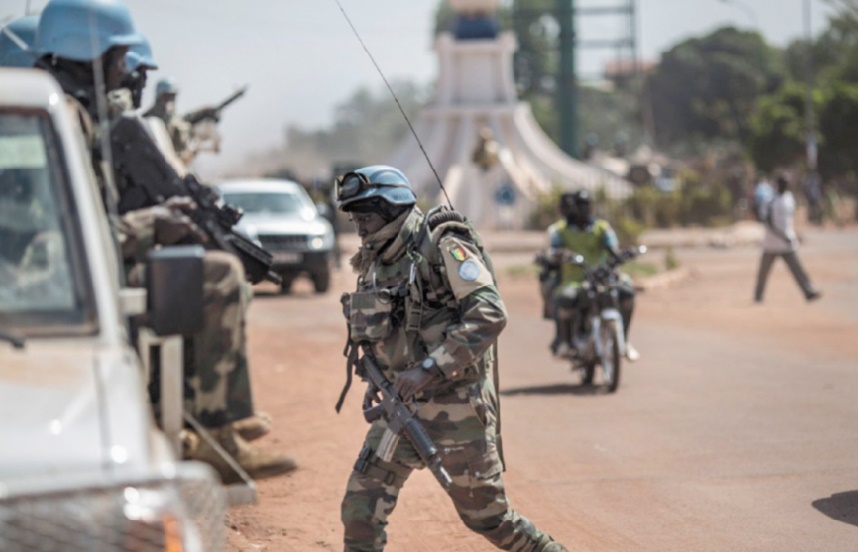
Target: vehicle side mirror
{"x":174,"y":284}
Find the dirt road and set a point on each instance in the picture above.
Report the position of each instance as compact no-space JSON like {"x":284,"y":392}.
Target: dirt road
{"x":737,"y":429}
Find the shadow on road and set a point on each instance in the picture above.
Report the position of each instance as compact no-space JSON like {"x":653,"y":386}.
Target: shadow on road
{"x":840,"y":507}
{"x":556,"y":389}
{"x":266,"y":294}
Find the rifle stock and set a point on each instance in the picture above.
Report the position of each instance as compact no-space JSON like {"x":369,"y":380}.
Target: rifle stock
{"x":150,"y":180}
{"x":400,"y":418}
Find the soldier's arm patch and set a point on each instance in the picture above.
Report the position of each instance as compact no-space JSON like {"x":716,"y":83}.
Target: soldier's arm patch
{"x":469,"y":271}
{"x":467,"y":274}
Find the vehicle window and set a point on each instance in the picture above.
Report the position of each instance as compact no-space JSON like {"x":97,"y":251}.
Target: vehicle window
{"x":266,"y":202}
{"x":40,"y":282}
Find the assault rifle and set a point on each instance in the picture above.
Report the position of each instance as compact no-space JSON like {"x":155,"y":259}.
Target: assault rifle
{"x":213,"y":113}
{"x":401,"y":419}
{"x":147,"y":179}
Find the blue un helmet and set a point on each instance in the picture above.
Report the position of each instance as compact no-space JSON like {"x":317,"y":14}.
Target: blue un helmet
{"x":166,"y":85}
{"x":17,"y":40}
{"x":82,"y":30}
{"x":140,"y":56}
{"x":378,"y":182}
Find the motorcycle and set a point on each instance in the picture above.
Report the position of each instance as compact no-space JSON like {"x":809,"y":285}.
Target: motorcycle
{"x":598,"y":340}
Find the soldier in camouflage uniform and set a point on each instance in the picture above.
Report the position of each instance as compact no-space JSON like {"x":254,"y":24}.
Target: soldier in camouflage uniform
{"x":427,"y":307}
{"x":178,"y":128}
{"x":218,"y":377}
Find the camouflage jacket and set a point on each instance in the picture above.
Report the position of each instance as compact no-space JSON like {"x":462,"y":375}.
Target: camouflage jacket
{"x":178,"y":129}
{"x":430,"y":293}
{"x":135,"y":231}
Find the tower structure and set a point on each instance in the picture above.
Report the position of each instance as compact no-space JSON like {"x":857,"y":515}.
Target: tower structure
{"x":484,"y":144}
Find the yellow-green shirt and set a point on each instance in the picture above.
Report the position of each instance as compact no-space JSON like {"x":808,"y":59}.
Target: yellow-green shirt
{"x":592,"y":242}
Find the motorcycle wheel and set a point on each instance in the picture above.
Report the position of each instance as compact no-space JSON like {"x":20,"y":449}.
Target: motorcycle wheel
{"x":611,"y":361}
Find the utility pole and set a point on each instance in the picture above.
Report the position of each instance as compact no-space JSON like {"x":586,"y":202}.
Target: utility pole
{"x":567,"y":84}
{"x":810,"y":136}
{"x":566,"y":13}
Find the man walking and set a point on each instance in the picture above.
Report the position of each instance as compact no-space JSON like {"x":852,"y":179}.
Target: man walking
{"x":781,"y":241}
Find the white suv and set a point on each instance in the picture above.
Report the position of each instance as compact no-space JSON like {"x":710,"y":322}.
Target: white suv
{"x":280,"y":216}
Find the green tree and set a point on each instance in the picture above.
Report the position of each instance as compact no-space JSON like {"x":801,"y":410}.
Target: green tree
{"x":778,"y":129}
{"x":706,"y":88}
{"x":838,"y":124}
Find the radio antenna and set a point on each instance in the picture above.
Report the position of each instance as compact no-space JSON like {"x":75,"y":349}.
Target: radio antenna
{"x":396,"y":99}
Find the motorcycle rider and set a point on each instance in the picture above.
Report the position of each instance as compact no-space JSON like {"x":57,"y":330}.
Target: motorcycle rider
{"x":593,"y":238}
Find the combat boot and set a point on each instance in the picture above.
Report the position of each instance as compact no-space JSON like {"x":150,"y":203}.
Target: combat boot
{"x":258,"y":463}
{"x":254,"y":427}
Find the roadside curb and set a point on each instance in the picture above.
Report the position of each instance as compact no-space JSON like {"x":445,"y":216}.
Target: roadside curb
{"x":740,"y":234}
{"x":664,"y":279}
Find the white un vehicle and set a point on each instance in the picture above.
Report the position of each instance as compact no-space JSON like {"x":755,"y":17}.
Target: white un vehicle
{"x":83,"y":465}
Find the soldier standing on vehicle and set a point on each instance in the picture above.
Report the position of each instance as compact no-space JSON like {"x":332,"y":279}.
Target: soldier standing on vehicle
{"x":138,"y":62}
{"x":178,"y":128}
{"x":16,"y":42}
{"x":592,"y":238}
{"x":219,"y":377}
{"x":427,"y":309}
{"x":781,"y":241}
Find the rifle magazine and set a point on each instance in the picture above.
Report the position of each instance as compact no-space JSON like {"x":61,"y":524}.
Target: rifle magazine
{"x":387,"y":445}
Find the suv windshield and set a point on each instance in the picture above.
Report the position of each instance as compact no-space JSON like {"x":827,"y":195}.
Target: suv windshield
{"x":265,"y":202}
{"x":41,"y":286}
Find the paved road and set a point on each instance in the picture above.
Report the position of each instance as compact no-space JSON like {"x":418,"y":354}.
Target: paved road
{"x":735,"y":431}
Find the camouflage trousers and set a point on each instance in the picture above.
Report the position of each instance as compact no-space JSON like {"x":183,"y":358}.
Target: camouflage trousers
{"x":462,"y":424}
{"x":217,"y":376}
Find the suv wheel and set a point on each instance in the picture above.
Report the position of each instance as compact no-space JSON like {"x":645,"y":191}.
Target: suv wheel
{"x":286,"y":284}
{"x":322,"y":281}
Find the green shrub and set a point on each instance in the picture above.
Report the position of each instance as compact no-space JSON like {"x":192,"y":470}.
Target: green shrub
{"x":545,"y":212}
{"x":628,"y":230}
{"x":706,"y":205}
{"x":671,"y":262}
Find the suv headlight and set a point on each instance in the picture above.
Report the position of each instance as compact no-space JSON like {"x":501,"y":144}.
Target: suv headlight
{"x":322,"y":242}
{"x":182,"y":514}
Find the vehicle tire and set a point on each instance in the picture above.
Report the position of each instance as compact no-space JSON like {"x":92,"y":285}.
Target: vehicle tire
{"x":587,"y":373}
{"x":286,"y":284}
{"x":611,"y":360}
{"x":322,"y":281}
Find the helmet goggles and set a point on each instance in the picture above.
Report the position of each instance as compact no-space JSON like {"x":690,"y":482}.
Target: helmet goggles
{"x":355,"y":187}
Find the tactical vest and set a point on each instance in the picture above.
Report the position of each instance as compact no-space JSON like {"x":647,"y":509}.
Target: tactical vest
{"x":402,"y":309}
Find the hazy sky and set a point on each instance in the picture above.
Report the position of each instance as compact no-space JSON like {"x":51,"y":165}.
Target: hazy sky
{"x":300,"y":57}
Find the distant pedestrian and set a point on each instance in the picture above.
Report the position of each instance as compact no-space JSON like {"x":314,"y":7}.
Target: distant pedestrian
{"x":813,"y":195}
{"x":781,"y":241}
{"x":763,"y":195}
